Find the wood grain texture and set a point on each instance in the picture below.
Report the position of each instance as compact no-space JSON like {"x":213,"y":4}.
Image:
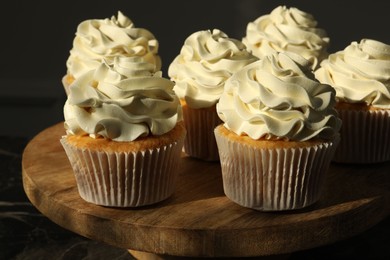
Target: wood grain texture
{"x":199,"y":220}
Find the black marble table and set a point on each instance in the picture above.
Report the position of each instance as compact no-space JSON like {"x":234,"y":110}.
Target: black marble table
{"x":27,"y":234}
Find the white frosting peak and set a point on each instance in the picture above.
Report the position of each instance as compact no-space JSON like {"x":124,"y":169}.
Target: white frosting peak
{"x":121,"y":102}
{"x":360,"y":73}
{"x":99,"y":39}
{"x":278,"y":97}
{"x":287,"y":29}
{"x":206,"y":60}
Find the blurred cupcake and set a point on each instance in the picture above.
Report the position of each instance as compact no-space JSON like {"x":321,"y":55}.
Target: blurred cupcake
{"x":99,"y":39}
{"x":287,"y":29}
{"x":279,"y":134}
{"x":206,"y":60}
{"x":124,"y":134}
{"x":360,"y":75}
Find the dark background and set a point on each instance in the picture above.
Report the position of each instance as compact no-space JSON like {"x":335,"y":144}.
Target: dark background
{"x":37,"y":36}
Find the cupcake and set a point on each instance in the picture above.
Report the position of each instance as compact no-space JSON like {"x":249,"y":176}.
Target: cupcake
{"x":360,"y":74}
{"x":206,"y":60}
{"x":287,"y":29}
{"x":279,"y":134}
{"x":124,"y":134}
{"x":99,"y":39}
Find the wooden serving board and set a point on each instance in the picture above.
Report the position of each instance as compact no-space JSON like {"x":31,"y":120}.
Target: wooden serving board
{"x":199,"y":220}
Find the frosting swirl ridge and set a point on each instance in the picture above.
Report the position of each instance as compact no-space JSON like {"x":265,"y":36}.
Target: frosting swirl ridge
{"x":287,"y":29}
{"x":277,"y":97}
{"x":360,"y":73}
{"x":99,"y":39}
{"x":206,"y":60}
{"x":122,"y":102}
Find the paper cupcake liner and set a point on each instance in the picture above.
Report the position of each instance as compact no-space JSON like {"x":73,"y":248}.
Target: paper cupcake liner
{"x":200,"y":140}
{"x":365,"y":137}
{"x":125,"y":179}
{"x":273,"y":179}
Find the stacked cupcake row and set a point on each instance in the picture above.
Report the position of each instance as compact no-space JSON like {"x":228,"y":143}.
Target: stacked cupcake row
{"x":268,"y":108}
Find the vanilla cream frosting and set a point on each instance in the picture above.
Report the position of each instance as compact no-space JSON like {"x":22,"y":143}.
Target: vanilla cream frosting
{"x":121,"y":102}
{"x":278,"y":97}
{"x":360,"y":73}
{"x":287,"y":29}
{"x":98,"y":39}
{"x":206,"y":60}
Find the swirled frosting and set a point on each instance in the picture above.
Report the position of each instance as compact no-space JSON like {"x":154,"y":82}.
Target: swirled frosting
{"x":99,"y":39}
{"x":360,"y":73}
{"x":287,"y":29}
{"x":121,"y":102}
{"x":206,"y":60}
{"x":279,"y":98}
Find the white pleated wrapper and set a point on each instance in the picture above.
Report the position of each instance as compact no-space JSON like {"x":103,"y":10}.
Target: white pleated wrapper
{"x":125,"y":179}
{"x":273,"y":179}
{"x":365,"y":137}
{"x":200,"y":140}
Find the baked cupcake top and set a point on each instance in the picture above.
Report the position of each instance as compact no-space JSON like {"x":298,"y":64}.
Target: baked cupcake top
{"x":287,"y":29}
{"x":360,"y":73}
{"x":99,"y":39}
{"x":278,"y":97}
{"x":206,"y":60}
{"x":121,"y":101}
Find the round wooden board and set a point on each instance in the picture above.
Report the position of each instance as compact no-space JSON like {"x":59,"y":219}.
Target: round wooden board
{"x":199,"y":220}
